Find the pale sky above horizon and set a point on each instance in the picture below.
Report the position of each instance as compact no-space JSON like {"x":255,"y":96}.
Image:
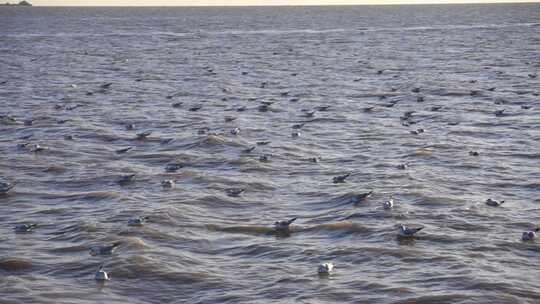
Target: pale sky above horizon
{"x":246,"y":2}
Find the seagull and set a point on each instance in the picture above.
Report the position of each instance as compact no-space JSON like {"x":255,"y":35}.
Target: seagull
{"x":104,"y":249}
{"x":167,"y":184}
{"x":403,"y":166}
{"x":235,"y":131}
{"x":529,"y":235}
{"x":166,"y":141}
{"x":123,"y":150}
{"x":340,"y":179}
{"x":361,"y":197}
{"x":407,"y":115}
{"x":389,"y":204}
{"x":235,"y":192}
{"x":173,"y":167}
{"x":326,"y":268}
{"x":143,"y":135}
{"x":283,"y":226}
{"x":417,"y":131}
{"x":21,"y":228}
{"x":249,"y":150}
{"x":405,"y":231}
{"x":125,"y":179}
{"x":295,"y":134}
{"x":5,"y":187}
{"x":38,"y":148}
{"x":101,"y":275}
{"x":493,"y":203}
{"x":137,"y":221}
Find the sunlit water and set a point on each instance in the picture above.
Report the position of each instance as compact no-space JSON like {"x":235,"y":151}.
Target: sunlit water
{"x":203,"y":246}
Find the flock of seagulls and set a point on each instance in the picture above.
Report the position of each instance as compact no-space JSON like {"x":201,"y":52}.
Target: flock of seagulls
{"x":279,"y":227}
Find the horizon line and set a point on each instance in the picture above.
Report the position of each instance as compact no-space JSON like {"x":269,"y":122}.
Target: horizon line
{"x":450,"y":2}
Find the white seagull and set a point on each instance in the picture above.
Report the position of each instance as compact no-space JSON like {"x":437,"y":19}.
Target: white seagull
{"x":283,"y":226}
{"x":101,"y":275}
{"x":405,"y":231}
{"x":389,"y":204}
{"x":326,"y":268}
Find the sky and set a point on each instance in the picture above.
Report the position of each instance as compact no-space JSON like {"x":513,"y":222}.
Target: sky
{"x":244,"y":2}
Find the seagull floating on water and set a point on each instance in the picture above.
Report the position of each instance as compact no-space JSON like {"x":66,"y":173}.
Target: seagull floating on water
{"x":125,"y":179}
{"x":295,"y":134}
{"x":167,"y":184}
{"x":389,"y":204}
{"x":235,"y":131}
{"x":249,"y":150}
{"x":361,"y":197}
{"x":38,"y":148}
{"x":283,"y":226}
{"x":326,"y":268}
{"x":235,"y":192}
{"x":403,"y":166}
{"x":5,"y":187}
{"x":340,"y":178}
{"x":21,"y":228}
{"x":101,"y":275}
{"x":143,"y":135}
{"x":529,"y":235}
{"x":104,"y":249}
{"x":173,"y":167}
{"x":137,"y":221}
{"x":405,"y":231}
{"x":493,"y":203}
{"x":264,"y":158}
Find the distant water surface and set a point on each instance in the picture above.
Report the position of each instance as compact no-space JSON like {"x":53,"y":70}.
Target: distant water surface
{"x":453,"y":65}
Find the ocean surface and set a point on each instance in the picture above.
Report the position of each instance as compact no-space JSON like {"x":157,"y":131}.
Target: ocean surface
{"x":74,"y":80}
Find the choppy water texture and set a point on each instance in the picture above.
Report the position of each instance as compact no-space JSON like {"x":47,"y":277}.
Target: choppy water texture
{"x":203,"y":246}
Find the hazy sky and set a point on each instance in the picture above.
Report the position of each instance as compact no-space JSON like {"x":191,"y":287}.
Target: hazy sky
{"x":245,"y":2}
